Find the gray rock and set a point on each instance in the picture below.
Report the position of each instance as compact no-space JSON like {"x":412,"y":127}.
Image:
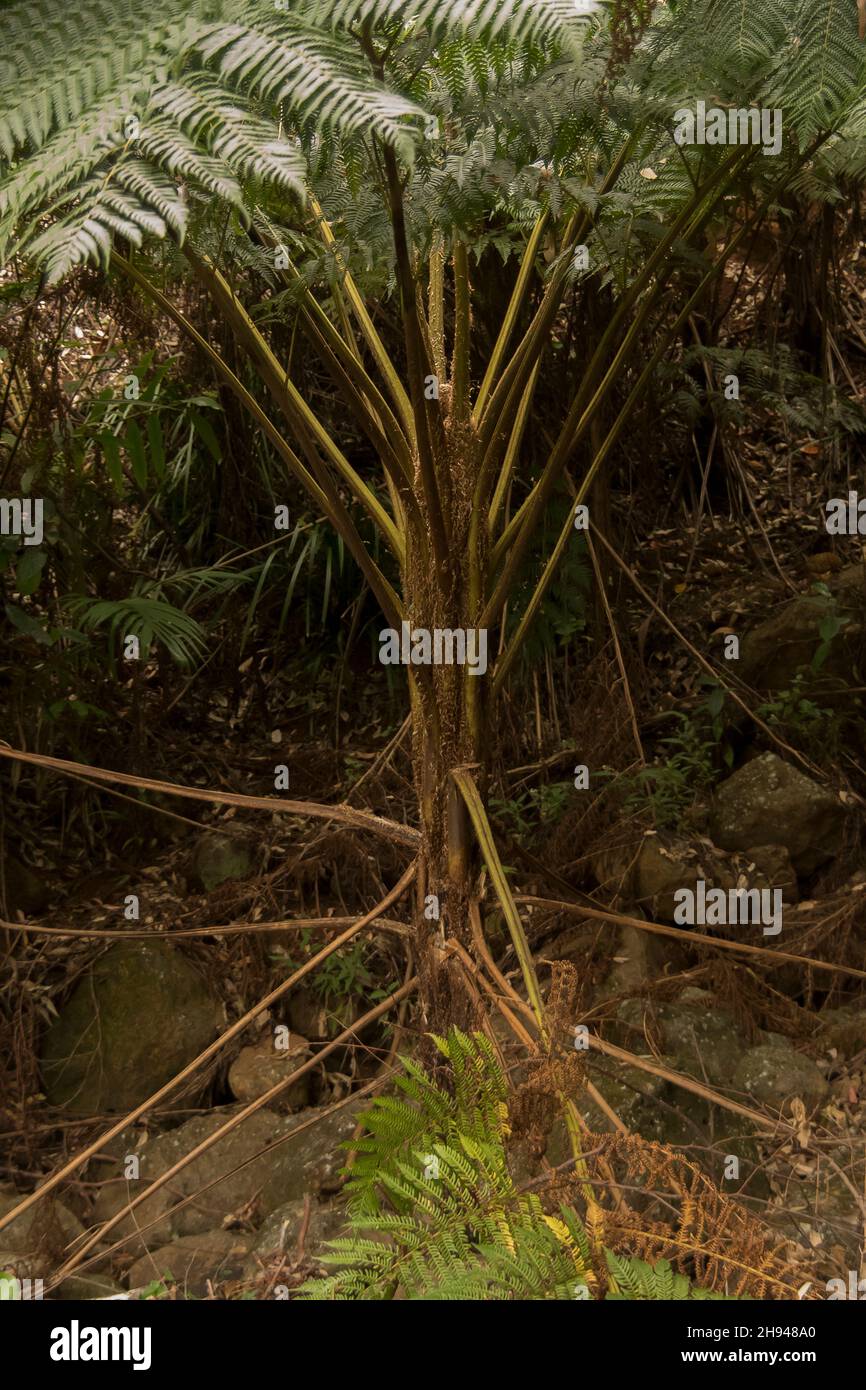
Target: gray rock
{"x":262,"y":1065}
{"x":218,"y":858}
{"x":32,"y":1246}
{"x":192,"y":1261}
{"x":281,"y":1230}
{"x":843,"y":1029}
{"x":308,"y":1163}
{"x":773,"y":1075}
{"x":701,"y":1039}
{"x":769,"y":802}
{"x":139,"y":1015}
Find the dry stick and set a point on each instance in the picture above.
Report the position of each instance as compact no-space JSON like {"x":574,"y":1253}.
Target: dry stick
{"x":599,"y":579}
{"x":232,"y":1032}
{"x":679,"y":934}
{"x":208,"y":1143}
{"x":688,"y":1083}
{"x":362,"y":820}
{"x":780,"y":742}
{"x":232,"y":929}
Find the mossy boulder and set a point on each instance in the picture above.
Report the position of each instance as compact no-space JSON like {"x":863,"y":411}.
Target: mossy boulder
{"x":137,"y":1017}
{"x":701,"y":1039}
{"x":220,"y":858}
{"x":768,"y":801}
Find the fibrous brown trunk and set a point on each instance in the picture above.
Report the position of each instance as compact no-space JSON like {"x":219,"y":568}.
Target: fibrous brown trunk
{"x":450,"y":712}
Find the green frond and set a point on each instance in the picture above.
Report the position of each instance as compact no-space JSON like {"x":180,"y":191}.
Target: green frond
{"x":561,"y":21}
{"x":453,"y":1224}
{"x":150,"y":620}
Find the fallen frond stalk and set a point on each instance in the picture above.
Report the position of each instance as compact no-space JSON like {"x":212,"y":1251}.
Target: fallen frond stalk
{"x":232,"y":929}
{"x":361,"y":820}
{"x":680,"y":934}
{"x":688,"y":1083}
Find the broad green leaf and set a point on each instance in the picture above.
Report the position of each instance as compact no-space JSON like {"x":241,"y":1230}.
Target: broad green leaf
{"x":29,"y":570}
{"x":137,"y":457}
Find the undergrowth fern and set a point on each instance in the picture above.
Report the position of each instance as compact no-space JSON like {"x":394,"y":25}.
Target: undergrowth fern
{"x":434,"y":1212}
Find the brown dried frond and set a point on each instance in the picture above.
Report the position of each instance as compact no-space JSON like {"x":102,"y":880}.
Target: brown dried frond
{"x":713,"y":1239}
{"x":628,"y":24}
{"x":558,"y":1072}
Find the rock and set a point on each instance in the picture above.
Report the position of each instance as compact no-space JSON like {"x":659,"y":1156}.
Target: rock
{"x":651,"y":870}
{"x":22,"y":889}
{"x":281,"y":1230}
{"x":843,"y":1029}
{"x":139,"y":1015}
{"x":33,"y":1245}
{"x":259,"y":1067}
{"x":823,"y":563}
{"x":306,"y":1164}
{"x":773,"y":863}
{"x":700,"y":1039}
{"x":79,"y":1287}
{"x":783,"y":646}
{"x":192,"y":1261}
{"x":641,"y":958}
{"x":769,"y":802}
{"x":773,"y":1075}
{"x":218,"y":858}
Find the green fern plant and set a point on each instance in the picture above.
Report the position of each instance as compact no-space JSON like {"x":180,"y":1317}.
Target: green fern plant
{"x":150,"y":620}
{"x":435,"y":1213}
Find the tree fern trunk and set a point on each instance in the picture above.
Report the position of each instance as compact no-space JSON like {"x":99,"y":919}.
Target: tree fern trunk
{"x":450,"y":709}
